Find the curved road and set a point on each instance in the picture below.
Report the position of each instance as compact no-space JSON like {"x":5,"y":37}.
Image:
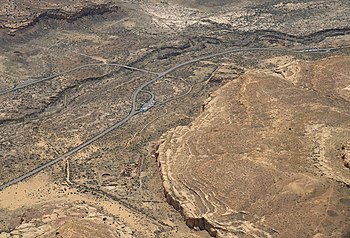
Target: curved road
{"x":30,"y":82}
{"x":133,"y":110}
{"x":152,"y":96}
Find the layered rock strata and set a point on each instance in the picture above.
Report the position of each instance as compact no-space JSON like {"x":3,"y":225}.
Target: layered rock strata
{"x":265,"y":157}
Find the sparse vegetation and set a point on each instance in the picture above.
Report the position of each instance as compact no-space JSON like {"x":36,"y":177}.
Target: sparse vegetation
{"x":117,"y":173}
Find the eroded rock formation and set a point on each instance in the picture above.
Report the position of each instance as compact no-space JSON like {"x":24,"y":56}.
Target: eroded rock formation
{"x":263,"y":158}
{"x":22,"y":16}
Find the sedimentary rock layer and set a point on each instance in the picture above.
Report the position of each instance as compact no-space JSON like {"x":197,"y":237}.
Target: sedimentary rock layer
{"x":24,"y":17}
{"x":265,"y":156}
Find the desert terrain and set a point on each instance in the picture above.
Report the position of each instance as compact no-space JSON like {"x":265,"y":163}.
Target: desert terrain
{"x":172,"y":118}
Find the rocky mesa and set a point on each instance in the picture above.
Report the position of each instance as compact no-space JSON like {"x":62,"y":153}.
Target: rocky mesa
{"x":267,"y":157}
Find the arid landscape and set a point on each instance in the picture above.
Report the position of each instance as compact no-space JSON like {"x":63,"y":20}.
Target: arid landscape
{"x":173,"y":118}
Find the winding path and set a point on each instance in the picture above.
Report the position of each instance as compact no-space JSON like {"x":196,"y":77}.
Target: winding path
{"x":30,"y":82}
{"x":134,"y":111}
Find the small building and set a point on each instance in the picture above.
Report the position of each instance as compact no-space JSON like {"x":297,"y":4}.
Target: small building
{"x":147,"y":105}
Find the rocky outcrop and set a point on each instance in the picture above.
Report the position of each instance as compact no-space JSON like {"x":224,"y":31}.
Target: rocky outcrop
{"x":68,"y":14}
{"x":263,"y":158}
{"x":69,"y":220}
{"x":345,"y":155}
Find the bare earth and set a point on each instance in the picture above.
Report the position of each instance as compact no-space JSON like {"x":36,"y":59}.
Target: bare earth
{"x":252,"y":143}
{"x":265,"y":156}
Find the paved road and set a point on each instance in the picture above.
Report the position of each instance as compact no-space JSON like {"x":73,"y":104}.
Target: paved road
{"x":134,"y":111}
{"x":30,"y":82}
